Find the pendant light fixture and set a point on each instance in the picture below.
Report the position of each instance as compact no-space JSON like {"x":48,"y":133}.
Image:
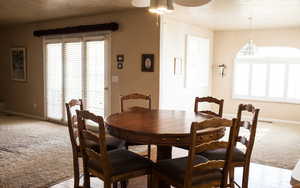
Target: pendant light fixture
{"x":250,"y":46}
{"x":161,"y":6}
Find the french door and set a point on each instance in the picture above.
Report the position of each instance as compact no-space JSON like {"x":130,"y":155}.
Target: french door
{"x":76,"y":68}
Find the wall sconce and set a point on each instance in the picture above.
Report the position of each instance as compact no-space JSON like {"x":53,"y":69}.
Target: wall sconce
{"x":221,"y":68}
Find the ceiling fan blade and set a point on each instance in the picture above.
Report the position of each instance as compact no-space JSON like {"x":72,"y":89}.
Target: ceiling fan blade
{"x":192,"y":3}
{"x":140,"y":3}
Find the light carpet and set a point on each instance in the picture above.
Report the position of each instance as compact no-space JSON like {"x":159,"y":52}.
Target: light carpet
{"x":277,"y":145}
{"x":33,"y":153}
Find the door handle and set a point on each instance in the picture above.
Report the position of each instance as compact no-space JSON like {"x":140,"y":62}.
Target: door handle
{"x":106,"y":88}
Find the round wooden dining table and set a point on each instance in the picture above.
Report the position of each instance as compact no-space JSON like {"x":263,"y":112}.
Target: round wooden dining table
{"x":164,"y":128}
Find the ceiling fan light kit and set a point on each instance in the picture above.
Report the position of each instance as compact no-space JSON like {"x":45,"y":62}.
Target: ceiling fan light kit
{"x":167,"y":6}
{"x":161,"y":6}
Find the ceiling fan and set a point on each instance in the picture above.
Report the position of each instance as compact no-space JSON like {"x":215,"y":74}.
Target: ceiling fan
{"x":164,"y":6}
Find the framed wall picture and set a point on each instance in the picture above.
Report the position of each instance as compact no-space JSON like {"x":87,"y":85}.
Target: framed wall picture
{"x":18,"y":64}
{"x":148,"y":63}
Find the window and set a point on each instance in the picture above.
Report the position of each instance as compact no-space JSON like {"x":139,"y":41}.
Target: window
{"x":272,"y":74}
{"x":54,"y":81}
{"x":75,"y":69}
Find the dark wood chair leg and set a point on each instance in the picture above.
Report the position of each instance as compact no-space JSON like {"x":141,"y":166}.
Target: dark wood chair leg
{"x":154,"y":180}
{"x":115,"y":185}
{"x":124,"y":184}
{"x":149,"y":151}
{"x":76,"y":171}
{"x":231,"y":177}
{"x":86,"y":183}
{"x":245,"y":176}
{"x":149,"y":181}
{"x":107,"y":184}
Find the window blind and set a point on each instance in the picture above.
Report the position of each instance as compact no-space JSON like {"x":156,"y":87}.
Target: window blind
{"x":95,"y":76}
{"x":54,"y":81}
{"x":73,"y":70}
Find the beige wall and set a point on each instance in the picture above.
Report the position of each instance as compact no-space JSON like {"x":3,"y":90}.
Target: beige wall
{"x":139,"y":33}
{"x":174,"y":34}
{"x":227,"y":44}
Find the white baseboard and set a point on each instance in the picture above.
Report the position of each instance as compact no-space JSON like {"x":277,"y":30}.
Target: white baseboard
{"x":266,"y":119}
{"x":23,"y":114}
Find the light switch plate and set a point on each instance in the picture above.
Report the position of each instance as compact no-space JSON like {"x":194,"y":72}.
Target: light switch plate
{"x":115,"y":79}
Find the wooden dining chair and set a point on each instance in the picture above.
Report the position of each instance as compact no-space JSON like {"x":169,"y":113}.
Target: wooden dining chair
{"x":196,"y":170}
{"x":219,"y":102}
{"x":136,"y":96}
{"x":240,"y":158}
{"x":110,"y":166}
{"x":112,"y":143}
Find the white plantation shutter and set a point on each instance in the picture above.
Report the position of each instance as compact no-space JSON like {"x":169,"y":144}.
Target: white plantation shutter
{"x":293,"y":82}
{"x":242,"y":77}
{"x":95,"y":77}
{"x":54,"y":81}
{"x":277,"y":80}
{"x":270,"y":75}
{"x":258,"y":80}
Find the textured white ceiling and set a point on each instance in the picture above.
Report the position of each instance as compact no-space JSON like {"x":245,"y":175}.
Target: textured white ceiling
{"x":217,"y":15}
{"x":234,"y":14}
{"x":25,"y":11}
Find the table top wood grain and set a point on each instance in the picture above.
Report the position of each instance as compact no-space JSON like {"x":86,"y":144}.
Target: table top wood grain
{"x":155,"y":121}
{"x":156,"y":126}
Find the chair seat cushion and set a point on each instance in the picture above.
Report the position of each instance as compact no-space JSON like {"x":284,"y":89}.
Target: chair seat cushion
{"x":112,"y":143}
{"x":133,"y":144}
{"x":122,"y":161}
{"x":220,"y":154}
{"x":175,"y":169}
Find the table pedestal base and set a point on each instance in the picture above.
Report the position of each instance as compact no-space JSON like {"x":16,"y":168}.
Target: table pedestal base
{"x":164,"y":152}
